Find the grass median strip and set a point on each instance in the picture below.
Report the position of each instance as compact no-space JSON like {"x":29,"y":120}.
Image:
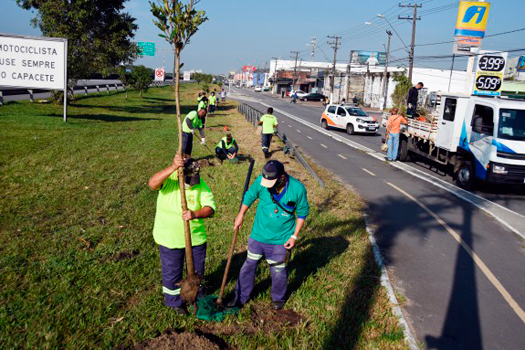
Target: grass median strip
{"x":79,"y":265}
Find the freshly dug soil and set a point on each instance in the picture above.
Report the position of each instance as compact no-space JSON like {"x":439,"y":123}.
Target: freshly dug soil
{"x":263,"y":319}
{"x":189,"y":288}
{"x":179,"y":341}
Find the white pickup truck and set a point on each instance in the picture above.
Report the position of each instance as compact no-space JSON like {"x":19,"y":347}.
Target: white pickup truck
{"x":350,"y":118}
{"x":481,"y":138}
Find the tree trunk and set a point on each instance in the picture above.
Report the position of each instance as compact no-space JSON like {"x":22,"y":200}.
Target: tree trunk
{"x":187,"y":233}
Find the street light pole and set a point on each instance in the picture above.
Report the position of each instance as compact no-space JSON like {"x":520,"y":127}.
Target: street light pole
{"x":385,"y":86}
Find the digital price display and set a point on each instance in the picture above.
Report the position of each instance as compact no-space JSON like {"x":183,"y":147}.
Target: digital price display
{"x":489,"y":74}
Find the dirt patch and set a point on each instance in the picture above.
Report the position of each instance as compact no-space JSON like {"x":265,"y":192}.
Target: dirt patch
{"x":262,"y":320}
{"x":190,"y":288}
{"x":171,"y":340}
{"x":124,"y":255}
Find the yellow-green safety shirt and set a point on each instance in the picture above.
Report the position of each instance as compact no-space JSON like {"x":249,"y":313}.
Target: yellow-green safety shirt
{"x":212,"y":100}
{"x":269,"y":123}
{"x":168,"y":230}
{"x":195,"y":121}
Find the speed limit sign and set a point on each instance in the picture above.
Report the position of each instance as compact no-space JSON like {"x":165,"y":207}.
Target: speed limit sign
{"x":159,"y":74}
{"x":489,"y":74}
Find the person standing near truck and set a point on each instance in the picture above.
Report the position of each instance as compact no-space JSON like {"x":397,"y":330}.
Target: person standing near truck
{"x":269,"y":124}
{"x":413,"y":96}
{"x":393,"y":128}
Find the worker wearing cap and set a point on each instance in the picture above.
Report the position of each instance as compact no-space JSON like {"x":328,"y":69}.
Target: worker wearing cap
{"x":281,"y":213}
{"x":192,"y":121}
{"x":213,"y":103}
{"x":269,"y":125}
{"x":227,"y":148}
{"x":168,"y":230}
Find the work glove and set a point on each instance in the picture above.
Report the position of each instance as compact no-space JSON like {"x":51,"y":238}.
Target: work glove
{"x":192,"y":131}
{"x":410,"y":105}
{"x":203,"y":141}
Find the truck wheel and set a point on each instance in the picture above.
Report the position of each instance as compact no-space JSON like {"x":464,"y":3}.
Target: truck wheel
{"x":324,"y":124}
{"x":403,"y":150}
{"x":465,"y":175}
{"x":349,"y":129}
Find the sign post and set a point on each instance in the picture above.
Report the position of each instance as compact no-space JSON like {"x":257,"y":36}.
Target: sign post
{"x":34,"y":63}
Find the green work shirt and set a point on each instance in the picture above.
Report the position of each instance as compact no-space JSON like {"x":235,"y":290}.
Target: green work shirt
{"x":212,"y":100}
{"x":228,"y":145}
{"x":168,"y":230}
{"x":269,"y":123}
{"x":195,"y":121}
{"x":202,"y":105}
{"x":273,"y":227}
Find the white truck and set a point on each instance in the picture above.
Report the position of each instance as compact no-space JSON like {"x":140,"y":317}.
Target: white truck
{"x":480,"y":138}
{"x":350,"y":118}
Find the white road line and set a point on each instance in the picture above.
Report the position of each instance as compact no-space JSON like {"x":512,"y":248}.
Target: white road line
{"x":493,"y":209}
{"x":342,"y":156}
{"x":486,"y":271}
{"x":368,"y":171}
{"x":289,"y":125}
{"x":299,"y":131}
{"x":323,"y":145}
{"x":309,"y":137}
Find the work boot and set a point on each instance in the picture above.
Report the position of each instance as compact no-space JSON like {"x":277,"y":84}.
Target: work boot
{"x":277,"y":305}
{"x":234,"y":303}
{"x":179,"y":310}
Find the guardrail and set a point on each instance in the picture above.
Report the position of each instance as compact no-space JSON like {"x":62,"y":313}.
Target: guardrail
{"x":253,"y":115}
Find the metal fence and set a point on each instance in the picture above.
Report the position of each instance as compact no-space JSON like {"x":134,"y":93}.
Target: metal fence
{"x":253,"y":115}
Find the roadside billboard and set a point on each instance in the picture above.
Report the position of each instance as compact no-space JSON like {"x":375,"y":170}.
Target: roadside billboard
{"x":38,"y":63}
{"x":249,"y":69}
{"x":489,"y":73}
{"x":521,"y":64}
{"x":472,"y":19}
{"x":466,"y":45}
{"x":160,"y":74}
{"x":368,"y":58}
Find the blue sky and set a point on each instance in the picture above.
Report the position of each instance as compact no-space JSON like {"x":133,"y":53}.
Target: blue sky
{"x":250,"y":32}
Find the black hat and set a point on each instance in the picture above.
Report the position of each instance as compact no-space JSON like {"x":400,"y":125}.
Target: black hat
{"x":192,"y":169}
{"x":272,"y":171}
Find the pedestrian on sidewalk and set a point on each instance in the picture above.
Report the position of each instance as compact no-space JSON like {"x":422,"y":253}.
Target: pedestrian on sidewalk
{"x":227,"y":148}
{"x":280,"y":216}
{"x":223,"y":96}
{"x":282,"y":93}
{"x":393,"y":128}
{"x":168,"y":230}
{"x":269,"y":126}
{"x":355,"y":100}
{"x":192,"y":121}
{"x":413,"y":97}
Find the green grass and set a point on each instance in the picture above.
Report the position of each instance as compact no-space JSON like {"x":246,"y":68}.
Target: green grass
{"x":74,"y":196}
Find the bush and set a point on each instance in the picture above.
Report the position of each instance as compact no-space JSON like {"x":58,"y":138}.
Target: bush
{"x":141,"y":79}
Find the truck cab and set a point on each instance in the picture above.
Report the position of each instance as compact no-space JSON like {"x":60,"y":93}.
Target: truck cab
{"x":350,"y":118}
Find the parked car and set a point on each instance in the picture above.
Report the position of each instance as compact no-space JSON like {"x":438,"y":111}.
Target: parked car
{"x":299,"y":93}
{"x":349,"y":118}
{"x":266,"y":88}
{"x":314,"y":96}
{"x":258,"y":89}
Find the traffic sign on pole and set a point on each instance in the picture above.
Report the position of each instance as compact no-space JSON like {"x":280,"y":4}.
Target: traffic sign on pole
{"x":146,"y":48}
{"x":159,"y":74}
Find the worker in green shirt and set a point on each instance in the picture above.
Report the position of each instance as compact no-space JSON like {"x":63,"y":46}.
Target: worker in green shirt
{"x":192,"y":121}
{"x":227,"y":148}
{"x":281,"y":213}
{"x":203,"y":104}
{"x":213,"y":103}
{"x":168,"y":230}
{"x":269,"y":126}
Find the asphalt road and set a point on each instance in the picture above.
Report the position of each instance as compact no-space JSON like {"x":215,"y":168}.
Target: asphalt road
{"x":461,"y":271}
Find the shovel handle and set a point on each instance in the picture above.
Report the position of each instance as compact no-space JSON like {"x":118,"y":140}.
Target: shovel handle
{"x":227,"y":269}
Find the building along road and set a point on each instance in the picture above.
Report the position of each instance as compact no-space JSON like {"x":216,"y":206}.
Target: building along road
{"x":461,"y":270}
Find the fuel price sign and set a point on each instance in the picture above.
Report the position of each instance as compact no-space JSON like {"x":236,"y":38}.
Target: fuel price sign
{"x":489,"y":74}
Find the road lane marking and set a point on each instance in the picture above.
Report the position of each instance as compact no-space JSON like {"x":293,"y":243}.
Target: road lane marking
{"x":342,"y":156}
{"x":289,"y":125}
{"x":368,"y":171}
{"x":299,"y":131}
{"x":482,"y":203}
{"x":323,"y":145}
{"x":309,"y":137}
{"x":486,"y":271}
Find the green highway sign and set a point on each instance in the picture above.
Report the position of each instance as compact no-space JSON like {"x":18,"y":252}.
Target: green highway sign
{"x":146,"y":48}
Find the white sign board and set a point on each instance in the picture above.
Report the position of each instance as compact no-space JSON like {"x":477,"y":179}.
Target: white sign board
{"x":33,"y":63}
{"x":489,"y":73}
{"x":187,"y":76}
{"x":159,"y":74}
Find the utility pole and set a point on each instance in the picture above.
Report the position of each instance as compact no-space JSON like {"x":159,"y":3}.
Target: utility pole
{"x":335,"y":45}
{"x":296,"y":53}
{"x":385,"y":85}
{"x":414,"y":18}
{"x":313,"y":43}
